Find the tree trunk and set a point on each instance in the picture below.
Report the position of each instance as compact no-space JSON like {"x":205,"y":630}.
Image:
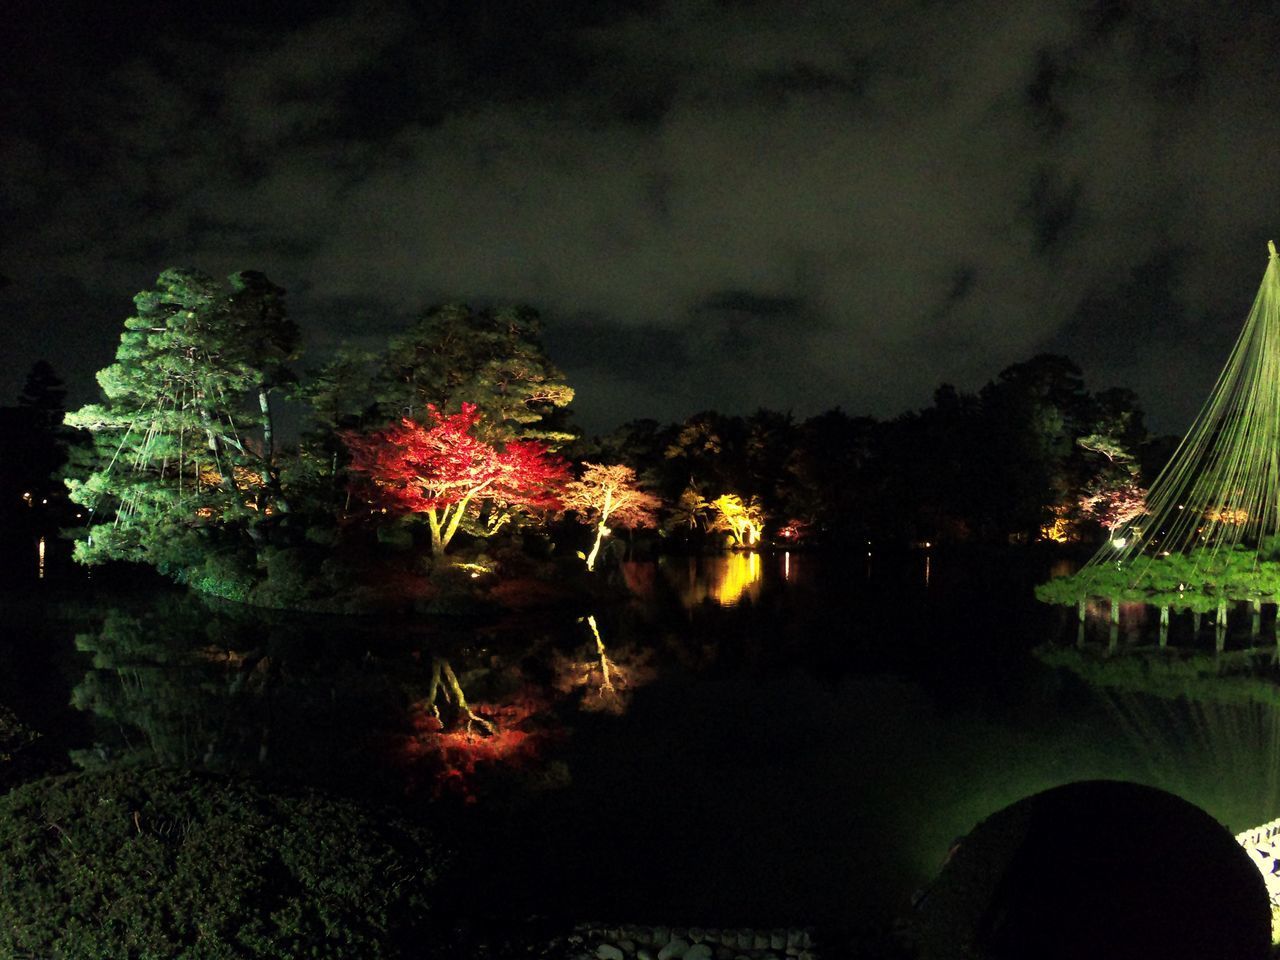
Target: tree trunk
{"x":1164,"y":626}
{"x":595,"y":549}
{"x":268,"y":433}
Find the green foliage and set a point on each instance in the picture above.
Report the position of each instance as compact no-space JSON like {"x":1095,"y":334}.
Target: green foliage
{"x":492,"y":359}
{"x":153,"y":863}
{"x":171,"y":447}
{"x":1168,"y":674}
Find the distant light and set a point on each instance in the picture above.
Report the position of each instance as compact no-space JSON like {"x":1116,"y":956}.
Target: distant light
{"x":474,"y":576}
{"x":927,"y":545}
{"x":1119,"y":543}
{"x":46,"y":500}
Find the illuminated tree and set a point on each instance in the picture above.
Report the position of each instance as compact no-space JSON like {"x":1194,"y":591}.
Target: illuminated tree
{"x":493,"y":360}
{"x":1115,"y":505}
{"x":689,"y":512}
{"x":173,"y":442}
{"x":743,"y":520}
{"x":443,"y":471}
{"x":605,"y":494}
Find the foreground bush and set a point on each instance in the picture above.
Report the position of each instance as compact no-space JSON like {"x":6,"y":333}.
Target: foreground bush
{"x":164,"y":864}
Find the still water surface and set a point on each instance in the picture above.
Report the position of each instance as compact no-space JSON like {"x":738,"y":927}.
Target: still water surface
{"x":764,"y":739}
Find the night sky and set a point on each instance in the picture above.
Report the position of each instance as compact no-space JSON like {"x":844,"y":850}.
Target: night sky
{"x":715,"y":204}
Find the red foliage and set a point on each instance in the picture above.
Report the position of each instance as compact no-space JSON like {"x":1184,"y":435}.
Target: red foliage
{"x":455,"y":759}
{"x":1115,"y":505}
{"x":415,"y":467}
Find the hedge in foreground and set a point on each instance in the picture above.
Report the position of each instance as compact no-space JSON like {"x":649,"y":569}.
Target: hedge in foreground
{"x":151,"y":863}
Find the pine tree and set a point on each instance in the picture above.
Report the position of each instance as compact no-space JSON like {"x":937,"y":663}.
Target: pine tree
{"x":181,"y":444}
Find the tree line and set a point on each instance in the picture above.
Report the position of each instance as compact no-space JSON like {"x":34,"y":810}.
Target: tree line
{"x":456,"y":439}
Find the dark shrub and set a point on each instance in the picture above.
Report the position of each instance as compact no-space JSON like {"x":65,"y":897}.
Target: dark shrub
{"x":151,"y":863}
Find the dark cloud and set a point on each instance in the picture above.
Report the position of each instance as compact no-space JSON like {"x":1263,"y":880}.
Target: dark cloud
{"x":715,"y":205}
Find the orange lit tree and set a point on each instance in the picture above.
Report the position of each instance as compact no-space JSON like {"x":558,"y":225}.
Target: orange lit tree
{"x":608,"y":494}
{"x":443,"y":471}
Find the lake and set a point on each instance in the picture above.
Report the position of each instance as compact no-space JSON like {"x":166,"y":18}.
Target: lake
{"x":773,"y":739}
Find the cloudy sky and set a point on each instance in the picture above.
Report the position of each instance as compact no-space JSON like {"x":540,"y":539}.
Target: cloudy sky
{"x":715,"y":204}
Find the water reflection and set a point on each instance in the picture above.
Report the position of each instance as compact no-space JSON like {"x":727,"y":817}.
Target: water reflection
{"x":725,"y":580}
{"x":605,"y":679}
{"x":851,"y":731}
{"x":40,"y":559}
{"x":1204,"y":725}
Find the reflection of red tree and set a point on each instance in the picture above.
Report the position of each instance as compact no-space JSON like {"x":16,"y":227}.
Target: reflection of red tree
{"x":458,"y":753}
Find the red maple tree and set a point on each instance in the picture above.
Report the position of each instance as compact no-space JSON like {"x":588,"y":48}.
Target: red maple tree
{"x":440,"y":469}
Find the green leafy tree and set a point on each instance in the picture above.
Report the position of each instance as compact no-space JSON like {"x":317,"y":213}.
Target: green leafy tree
{"x":493,"y":359}
{"x":182,"y":443}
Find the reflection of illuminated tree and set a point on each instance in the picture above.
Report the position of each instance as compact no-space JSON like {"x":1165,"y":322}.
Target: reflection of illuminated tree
{"x":445,"y":687}
{"x":607,"y":680}
{"x":725,"y":580}
{"x":169,"y":688}
{"x":461,"y":740}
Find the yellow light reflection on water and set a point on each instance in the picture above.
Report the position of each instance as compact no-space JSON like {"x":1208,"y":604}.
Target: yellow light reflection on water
{"x":40,"y":559}
{"x":727,"y":580}
{"x":738,"y":578}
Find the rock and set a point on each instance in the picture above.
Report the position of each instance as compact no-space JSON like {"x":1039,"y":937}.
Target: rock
{"x":760,"y":941}
{"x":675,"y":949}
{"x":627,"y":946}
{"x":660,"y":936}
{"x":699,"y":951}
{"x":644,"y":954}
{"x":697,"y":935}
{"x":607,"y":951}
{"x":778,"y":940}
{"x":745,"y":939}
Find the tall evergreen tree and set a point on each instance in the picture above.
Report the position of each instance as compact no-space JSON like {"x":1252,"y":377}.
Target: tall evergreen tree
{"x":181,"y":442}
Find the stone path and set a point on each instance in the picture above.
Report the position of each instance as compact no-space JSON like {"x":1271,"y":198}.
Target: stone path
{"x":598,"y":942}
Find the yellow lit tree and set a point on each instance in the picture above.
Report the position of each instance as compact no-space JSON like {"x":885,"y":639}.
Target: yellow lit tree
{"x":743,"y":521}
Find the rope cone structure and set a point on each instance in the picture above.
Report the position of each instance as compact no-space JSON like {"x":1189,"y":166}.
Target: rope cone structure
{"x":1210,"y":529}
